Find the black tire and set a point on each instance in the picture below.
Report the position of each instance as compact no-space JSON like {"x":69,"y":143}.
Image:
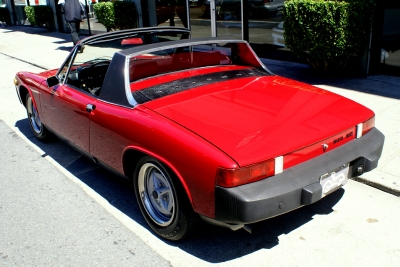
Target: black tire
{"x":37,"y":127}
{"x":162,"y":202}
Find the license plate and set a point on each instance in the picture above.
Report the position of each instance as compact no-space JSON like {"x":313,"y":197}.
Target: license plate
{"x":334,"y":179}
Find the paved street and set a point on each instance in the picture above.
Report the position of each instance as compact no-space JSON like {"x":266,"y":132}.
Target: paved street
{"x":58,"y":208}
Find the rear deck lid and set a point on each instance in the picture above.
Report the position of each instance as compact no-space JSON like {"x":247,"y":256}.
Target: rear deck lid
{"x":257,"y":118}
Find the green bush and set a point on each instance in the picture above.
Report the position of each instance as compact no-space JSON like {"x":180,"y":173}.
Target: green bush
{"x":116,"y":15}
{"x":40,"y":15}
{"x":5,"y":15}
{"x":328,"y":34}
{"x":104,"y":12}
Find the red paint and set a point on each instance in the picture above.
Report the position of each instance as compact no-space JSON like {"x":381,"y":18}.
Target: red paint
{"x":232,"y":123}
{"x":255,"y":119}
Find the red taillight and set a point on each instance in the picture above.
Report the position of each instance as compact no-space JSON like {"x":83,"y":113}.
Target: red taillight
{"x":248,"y":174}
{"x":368,"y":125}
{"x":365,"y":127}
{"x":268,"y":1}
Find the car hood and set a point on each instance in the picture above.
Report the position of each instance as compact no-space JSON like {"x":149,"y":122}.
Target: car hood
{"x":254,"y":119}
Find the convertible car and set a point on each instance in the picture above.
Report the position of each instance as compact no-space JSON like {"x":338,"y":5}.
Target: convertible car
{"x":200,"y":126}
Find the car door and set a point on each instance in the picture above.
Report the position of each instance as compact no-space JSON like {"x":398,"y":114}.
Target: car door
{"x":67,"y":108}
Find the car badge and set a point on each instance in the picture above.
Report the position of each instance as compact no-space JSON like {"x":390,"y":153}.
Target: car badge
{"x":325,"y":147}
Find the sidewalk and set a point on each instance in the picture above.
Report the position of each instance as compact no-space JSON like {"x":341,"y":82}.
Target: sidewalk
{"x":381,"y":93}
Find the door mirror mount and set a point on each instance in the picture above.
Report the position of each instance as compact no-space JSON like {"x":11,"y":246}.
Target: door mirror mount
{"x":52,"y":81}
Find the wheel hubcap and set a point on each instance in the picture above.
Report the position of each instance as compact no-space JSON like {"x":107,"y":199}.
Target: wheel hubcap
{"x":34,"y":117}
{"x":156,"y":193}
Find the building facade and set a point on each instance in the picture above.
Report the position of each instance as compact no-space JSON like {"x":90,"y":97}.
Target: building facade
{"x":260,"y":22}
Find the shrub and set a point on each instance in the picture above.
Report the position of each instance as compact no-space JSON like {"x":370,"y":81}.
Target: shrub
{"x":116,"y":15}
{"x":104,"y":12}
{"x":5,"y":15}
{"x":40,"y":15}
{"x":328,"y":34}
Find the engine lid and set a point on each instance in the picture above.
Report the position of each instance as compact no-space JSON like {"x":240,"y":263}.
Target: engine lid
{"x":257,"y":118}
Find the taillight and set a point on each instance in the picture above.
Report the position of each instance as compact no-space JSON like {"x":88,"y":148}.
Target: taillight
{"x":365,"y":127}
{"x":244,"y":175}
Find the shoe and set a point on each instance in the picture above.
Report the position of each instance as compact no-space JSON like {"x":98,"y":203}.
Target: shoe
{"x":80,"y":49}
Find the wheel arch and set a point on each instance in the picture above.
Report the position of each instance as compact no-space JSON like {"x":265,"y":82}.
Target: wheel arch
{"x":23,"y":91}
{"x":131,"y":157}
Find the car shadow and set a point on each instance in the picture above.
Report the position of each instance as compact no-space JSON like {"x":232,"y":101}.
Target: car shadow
{"x":215,"y":244}
{"x":209,"y":243}
{"x":65,"y":48}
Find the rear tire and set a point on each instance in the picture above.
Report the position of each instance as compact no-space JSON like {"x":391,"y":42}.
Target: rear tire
{"x":37,"y":127}
{"x":162,"y":202}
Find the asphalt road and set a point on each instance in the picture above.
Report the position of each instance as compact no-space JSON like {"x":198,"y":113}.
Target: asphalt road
{"x":58,"y":208}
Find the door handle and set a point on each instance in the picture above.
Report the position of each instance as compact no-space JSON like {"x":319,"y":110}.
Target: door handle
{"x":90,"y":107}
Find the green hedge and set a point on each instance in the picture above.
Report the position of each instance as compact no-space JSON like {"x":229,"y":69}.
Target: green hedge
{"x":116,"y":15}
{"x":328,"y":34}
{"x":104,"y":12}
{"x":40,"y":15}
{"x":5,"y":15}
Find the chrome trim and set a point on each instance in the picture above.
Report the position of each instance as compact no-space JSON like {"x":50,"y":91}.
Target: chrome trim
{"x":72,"y":55}
{"x":128,"y":92}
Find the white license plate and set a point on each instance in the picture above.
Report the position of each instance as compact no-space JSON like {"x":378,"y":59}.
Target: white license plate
{"x":334,"y":179}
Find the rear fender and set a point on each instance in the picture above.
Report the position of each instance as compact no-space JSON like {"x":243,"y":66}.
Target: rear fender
{"x":129,"y":170}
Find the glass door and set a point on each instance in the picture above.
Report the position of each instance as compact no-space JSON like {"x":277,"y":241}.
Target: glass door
{"x":228,"y":14}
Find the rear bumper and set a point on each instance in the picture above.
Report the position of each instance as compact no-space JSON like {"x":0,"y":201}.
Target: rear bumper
{"x":296,"y":186}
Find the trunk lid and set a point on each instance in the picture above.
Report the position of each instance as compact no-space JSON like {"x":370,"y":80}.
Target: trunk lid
{"x":258,"y":118}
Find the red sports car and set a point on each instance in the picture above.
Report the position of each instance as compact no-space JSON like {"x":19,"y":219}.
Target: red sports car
{"x":201,"y":127}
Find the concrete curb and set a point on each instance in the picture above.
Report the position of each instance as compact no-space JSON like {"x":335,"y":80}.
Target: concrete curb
{"x":379,"y":186}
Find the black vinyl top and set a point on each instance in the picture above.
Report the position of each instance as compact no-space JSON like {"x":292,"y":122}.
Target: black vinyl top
{"x":113,"y":89}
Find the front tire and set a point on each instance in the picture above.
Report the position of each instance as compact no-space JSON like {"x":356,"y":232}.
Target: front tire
{"x":37,"y":127}
{"x":163,"y":204}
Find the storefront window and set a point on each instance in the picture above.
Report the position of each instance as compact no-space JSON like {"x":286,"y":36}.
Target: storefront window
{"x":91,"y":21}
{"x":390,"y":42}
{"x":266,"y":28}
{"x":200,"y":22}
{"x":91,"y":25}
{"x":169,"y":13}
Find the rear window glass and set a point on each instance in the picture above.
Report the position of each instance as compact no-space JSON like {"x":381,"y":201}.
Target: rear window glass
{"x":190,"y":57}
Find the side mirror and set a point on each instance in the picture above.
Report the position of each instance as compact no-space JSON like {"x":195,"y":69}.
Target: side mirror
{"x":52,"y":81}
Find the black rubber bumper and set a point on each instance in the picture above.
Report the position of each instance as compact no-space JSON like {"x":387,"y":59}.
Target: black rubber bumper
{"x":296,"y":186}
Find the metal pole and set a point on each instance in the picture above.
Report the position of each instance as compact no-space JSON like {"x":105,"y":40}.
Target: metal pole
{"x":245,"y":20}
{"x":189,"y":27}
{"x":87,"y":17}
{"x":213,"y":18}
{"x":369,"y":51}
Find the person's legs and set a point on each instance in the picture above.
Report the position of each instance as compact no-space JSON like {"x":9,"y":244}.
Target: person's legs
{"x":77,"y":27}
{"x":74,"y":34}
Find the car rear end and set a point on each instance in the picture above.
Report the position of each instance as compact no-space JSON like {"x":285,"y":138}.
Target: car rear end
{"x":290,"y":143}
